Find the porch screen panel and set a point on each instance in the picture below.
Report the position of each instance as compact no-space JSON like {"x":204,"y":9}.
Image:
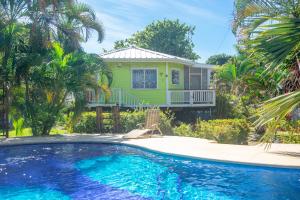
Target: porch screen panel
{"x":138,"y":78}
{"x":150,"y":78}
{"x":204,"y":83}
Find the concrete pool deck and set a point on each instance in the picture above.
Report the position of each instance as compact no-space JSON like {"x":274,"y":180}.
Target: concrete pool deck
{"x":278,"y":155}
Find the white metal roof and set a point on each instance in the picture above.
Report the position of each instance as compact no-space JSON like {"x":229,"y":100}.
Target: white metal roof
{"x":136,"y":54}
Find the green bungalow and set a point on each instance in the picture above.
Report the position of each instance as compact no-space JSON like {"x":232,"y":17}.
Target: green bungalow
{"x":143,"y":78}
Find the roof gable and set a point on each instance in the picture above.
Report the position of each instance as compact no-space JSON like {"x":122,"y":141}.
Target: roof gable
{"x":136,"y":54}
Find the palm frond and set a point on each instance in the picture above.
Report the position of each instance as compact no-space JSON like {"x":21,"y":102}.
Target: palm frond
{"x":277,"y":108}
{"x":278,"y":42}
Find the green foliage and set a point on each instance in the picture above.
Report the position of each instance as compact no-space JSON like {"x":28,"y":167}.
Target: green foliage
{"x":183,"y":130}
{"x":250,"y":15}
{"x":128,"y":120}
{"x":242,"y":76}
{"x":18,"y":125}
{"x":281,"y":130}
{"x":86,"y":123}
{"x":229,"y":106}
{"x":50,"y":83}
{"x":27,"y":132}
{"x":227,"y":131}
{"x":270,"y":112}
{"x":219,"y":59}
{"x":288,"y":137}
{"x":39,"y":51}
{"x":166,"y":122}
{"x":24,"y":133}
{"x":270,"y":32}
{"x":166,"y":36}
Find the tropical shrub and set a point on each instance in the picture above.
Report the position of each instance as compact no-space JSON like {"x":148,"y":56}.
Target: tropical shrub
{"x":52,"y":81}
{"x":231,"y":131}
{"x":229,"y":106}
{"x":288,"y":138}
{"x":282,"y":131}
{"x":86,"y":124}
{"x":183,"y":130}
{"x":166,"y":122}
{"x":128,"y":121}
{"x":29,"y":65}
{"x":227,"y":131}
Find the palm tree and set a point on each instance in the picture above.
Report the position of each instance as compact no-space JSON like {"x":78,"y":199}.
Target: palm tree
{"x":27,"y":29}
{"x":271,"y":31}
{"x":57,"y":77}
{"x":249,"y":15}
{"x":281,"y":53}
{"x":11,"y":32}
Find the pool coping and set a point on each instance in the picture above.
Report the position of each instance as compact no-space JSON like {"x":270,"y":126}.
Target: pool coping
{"x":142,"y":144}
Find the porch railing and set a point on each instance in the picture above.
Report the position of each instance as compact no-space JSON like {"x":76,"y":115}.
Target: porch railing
{"x":192,"y":97}
{"x":118,"y":96}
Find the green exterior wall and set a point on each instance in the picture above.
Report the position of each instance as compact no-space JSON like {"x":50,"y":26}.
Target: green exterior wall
{"x":122,"y":79}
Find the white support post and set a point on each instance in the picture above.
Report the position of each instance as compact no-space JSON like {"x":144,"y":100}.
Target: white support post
{"x":191,"y":97}
{"x":214,"y":98}
{"x":208,"y":79}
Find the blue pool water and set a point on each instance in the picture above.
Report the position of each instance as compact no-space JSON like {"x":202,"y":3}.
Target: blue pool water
{"x":106,"y":171}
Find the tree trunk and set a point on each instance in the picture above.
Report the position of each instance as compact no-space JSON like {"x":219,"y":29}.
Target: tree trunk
{"x":6,"y":105}
{"x":99,"y":119}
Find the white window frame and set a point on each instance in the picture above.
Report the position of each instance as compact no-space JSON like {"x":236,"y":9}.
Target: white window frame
{"x":178,"y":76}
{"x":144,"y":68}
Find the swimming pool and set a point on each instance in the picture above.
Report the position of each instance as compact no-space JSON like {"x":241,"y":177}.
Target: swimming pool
{"x":110,"y":171}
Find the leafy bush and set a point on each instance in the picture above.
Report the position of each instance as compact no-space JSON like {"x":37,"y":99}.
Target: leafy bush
{"x":128,"y":121}
{"x":231,"y":106}
{"x":86,"y":124}
{"x":166,"y":122}
{"x":283,"y":131}
{"x":288,"y":137}
{"x":183,"y":130}
{"x":231,"y":131}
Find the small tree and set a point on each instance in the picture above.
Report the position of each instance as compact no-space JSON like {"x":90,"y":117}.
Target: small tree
{"x":219,"y":59}
{"x":58,"y":76}
{"x":166,"y":36}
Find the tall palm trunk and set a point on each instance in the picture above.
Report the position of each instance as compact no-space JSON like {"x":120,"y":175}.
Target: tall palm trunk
{"x":6,"y":105}
{"x":6,"y":86}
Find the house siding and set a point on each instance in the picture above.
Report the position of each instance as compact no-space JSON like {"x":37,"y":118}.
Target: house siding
{"x":122,"y":78}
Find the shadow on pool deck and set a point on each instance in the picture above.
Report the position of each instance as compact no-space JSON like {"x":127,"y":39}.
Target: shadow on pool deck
{"x":287,"y":153}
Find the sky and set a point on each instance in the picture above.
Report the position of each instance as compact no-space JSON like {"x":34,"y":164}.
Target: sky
{"x":122,"y":18}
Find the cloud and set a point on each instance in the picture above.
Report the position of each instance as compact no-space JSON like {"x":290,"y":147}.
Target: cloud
{"x":141,"y":3}
{"x":122,"y":18}
{"x":196,"y":10}
{"x":115,"y":28}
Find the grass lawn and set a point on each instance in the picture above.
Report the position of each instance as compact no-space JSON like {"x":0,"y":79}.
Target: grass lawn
{"x":28,"y":132}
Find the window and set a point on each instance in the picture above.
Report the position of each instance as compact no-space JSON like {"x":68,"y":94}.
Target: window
{"x":175,"y":77}
{"x":144,"y":78}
